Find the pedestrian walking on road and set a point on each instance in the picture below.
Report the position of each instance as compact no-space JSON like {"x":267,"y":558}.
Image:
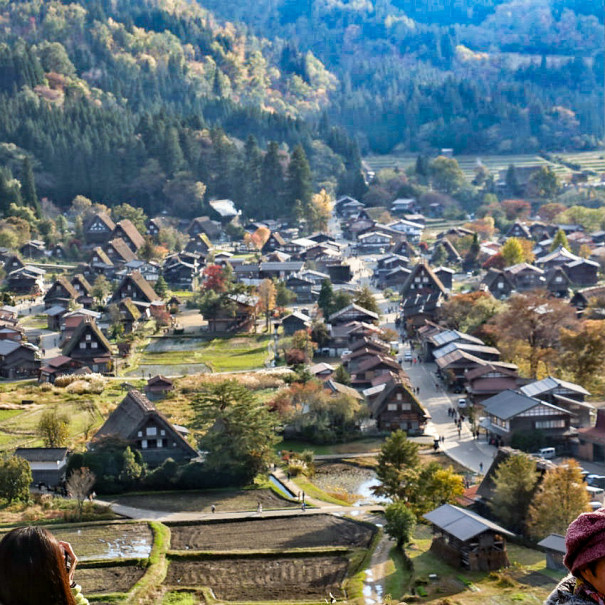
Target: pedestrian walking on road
{"x":481,"y":467}
{"x":459,"y":431}
{"x":303,"y":507}
{"x":212,"y":508}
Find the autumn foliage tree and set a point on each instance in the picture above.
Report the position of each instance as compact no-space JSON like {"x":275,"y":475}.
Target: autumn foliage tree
{"x":528,"y":331}
{"x":266,"y":298}
{"x":467,"y":312}
{"x":516,"y":209}
{"x":583,"y":353}
{"x":561,"y":498}
{"x":214,"y":279}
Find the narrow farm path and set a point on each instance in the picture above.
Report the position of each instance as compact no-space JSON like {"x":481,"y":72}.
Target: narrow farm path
{"x":376,"y":573}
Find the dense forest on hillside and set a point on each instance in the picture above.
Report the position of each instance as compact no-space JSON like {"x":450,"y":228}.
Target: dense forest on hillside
{"x":151,"y":102}
{"x":166,"y":104}
{"x":476,"y":75}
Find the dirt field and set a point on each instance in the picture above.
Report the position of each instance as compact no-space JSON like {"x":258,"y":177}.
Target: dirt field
{"x":277,"y":533}
{"x":243,"y":579}
{"x":100,"y":580}
{"x":224,"y":500}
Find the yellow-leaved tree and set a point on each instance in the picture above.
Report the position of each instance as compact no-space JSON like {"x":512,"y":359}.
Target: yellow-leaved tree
{"x":562,"y":496}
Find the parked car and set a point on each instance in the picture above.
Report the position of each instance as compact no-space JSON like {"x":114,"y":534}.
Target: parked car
{"x":596,"y":481}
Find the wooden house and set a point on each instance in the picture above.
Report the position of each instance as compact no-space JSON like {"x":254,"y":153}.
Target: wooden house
{"x":54,"y":316}
{"x":138,"y":424}
{"x":89,"y":346}
{"x":58,"y":366}
{"x":557,"y":282}
{"x":554,"y":548}
{"x":294,"y":322}
{"x":60,"y":293}
{"x":558,"y":257}
{"x":416,"y":309}
{"x":280,"y":270}
{"x":199,"y":244}
{"x":83,"y":289}
{"x":275,"y":242}
{"x":525,"y":277}
{"x":398,"y":408}
{"x":484,"y":382}
{"x":373,"y":367}
{"x":351,"y":313}
{"x":511,"y":412}
{"x":464,"y":539}
{"x":303,"y":287}
{"x":12,"y":263}
{"x":583,"y":272}
{"x":519,"y":230}
{"x":498,"y":284}
{"x":240,"y":317}
{"x":158,"y":386}
{"x":27,"y":280}
{"x":592,"y":440}
{"x":48,"y":464}
{"x":33,"y":249}
{"x":129,"y":315}
{"x":18,"y":360}
{"x":452,"y":256}
{"x":373,"y":242}
{"x":99,"y":229}
{"x":203,"y":224}
{"x":567,"y":395}
{"x":126,"y":230}
{"x":154,"y":226}
{"x":135,"y":287}
{"x":119,"y":252}
{"x":446,"y":277}
{"x":100,"y":263}
{"x":181,"y":271}
{"x":422,"y":280}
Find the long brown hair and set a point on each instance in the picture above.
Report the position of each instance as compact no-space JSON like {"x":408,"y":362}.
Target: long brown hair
{"x":32,"y":569}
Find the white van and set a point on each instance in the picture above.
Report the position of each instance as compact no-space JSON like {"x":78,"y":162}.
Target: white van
{"x":596,"y":494}
{"x":547,"y":453}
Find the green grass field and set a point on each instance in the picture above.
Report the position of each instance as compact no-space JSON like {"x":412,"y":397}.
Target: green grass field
{"x":220,"y":354}
{"x":18,"y":425}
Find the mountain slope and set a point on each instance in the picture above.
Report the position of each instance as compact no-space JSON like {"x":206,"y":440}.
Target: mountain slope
{"x":508,"y":75}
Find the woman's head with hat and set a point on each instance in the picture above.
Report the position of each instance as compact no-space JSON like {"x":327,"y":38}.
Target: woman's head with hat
{"x":585,"y":545}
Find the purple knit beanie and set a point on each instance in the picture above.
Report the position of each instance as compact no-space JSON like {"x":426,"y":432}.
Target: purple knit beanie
{"x":585,"y":540}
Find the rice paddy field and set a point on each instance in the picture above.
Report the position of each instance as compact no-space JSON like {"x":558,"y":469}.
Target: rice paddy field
{"x":560,"y":162}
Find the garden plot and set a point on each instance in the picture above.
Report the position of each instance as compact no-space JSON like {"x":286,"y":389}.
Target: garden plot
{"x":272,"y":534}
{"x":115,"y":578}
{"x":224,"y":500}
{"x":261,"y":579}
{"x":177,"y":355}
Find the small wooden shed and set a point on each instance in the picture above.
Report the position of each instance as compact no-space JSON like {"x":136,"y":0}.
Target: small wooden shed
{"x":464,"y":539}
{"x":554,"y":547}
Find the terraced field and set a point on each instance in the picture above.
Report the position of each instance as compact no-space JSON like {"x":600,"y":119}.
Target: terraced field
{"x":262,"y":579}
{"x":274,"y":533}
{"x":494,"y":163}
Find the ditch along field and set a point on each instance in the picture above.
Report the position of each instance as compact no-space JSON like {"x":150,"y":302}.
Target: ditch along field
{"x":278,"y":559}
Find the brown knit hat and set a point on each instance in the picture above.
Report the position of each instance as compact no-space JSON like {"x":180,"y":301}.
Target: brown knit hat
{"x":585,"y":540}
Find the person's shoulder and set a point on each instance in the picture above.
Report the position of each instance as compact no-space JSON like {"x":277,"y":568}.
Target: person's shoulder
{"x":563,"y":594}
